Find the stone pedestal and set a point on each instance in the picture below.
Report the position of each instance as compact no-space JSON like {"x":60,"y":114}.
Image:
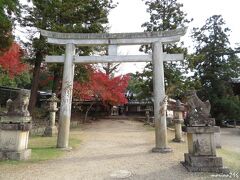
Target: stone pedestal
{"x":14,"y":138}
{"x":218,"y":139}
{"x":51,"y":131}
{"x":201,"y":156}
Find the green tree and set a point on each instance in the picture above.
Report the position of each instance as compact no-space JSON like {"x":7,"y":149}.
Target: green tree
{"x":76,"y":16}
{"x":215,"y":63}
{"x":164,"y":15}
{"x":138,"y":88}
{"x":7,"y":9}
{"x":21,"y":81}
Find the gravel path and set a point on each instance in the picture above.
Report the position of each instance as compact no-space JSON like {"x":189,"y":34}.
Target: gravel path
{"x":110,"y":147}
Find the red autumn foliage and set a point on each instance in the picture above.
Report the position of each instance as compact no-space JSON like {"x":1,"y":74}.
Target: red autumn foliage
{"x":102,"y":87}
{"x":10,"y":61}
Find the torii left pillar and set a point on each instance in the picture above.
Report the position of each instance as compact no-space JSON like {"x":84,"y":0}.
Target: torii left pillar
{"x":66,"y":98}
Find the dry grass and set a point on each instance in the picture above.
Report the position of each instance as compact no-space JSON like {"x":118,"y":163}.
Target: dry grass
{"x":231,"y":159}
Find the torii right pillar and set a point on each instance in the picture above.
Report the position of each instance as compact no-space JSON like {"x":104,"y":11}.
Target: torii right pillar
{"x":159,"y":96}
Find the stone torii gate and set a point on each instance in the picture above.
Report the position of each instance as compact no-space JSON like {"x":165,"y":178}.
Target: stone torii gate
{"x":71,"y":40}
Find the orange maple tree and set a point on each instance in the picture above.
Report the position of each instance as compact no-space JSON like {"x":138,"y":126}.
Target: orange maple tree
{"x":109,"y":90}
{"x":10,"y":61}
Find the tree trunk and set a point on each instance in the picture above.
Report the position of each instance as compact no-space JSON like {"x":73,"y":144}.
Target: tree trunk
{"x":56,"y":87}
{"x":86,"y":115}
{"x":35,"y":82}
{"x":110,"y":68}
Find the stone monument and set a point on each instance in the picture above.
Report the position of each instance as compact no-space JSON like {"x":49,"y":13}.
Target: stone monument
{"x":178,"y":120}
{"x":201,"y":156}
{"x":114,"y":111}
{"x":15,"y":126}
{"x":51,"y":129}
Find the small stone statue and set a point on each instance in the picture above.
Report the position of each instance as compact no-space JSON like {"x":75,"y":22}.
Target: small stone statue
{"x":19,"y":107}
{"x":114,"y":111}
{"x":198,"y":111}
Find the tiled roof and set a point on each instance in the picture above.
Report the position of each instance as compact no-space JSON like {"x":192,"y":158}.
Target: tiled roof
{"x":235,"y":80}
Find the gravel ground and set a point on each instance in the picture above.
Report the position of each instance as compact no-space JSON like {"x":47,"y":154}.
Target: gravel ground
{"x":110,"y":148}
{"x":230,"y":138}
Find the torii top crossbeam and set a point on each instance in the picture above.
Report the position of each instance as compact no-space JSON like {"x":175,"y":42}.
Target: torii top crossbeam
{"x":86,"y":39}
{"x":112,"y":40}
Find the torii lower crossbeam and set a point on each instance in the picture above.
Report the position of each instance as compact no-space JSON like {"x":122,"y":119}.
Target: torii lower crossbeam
{"x":113,"y":59}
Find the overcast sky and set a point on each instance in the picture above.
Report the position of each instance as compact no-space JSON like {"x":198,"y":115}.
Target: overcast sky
{"x":129,"y":15}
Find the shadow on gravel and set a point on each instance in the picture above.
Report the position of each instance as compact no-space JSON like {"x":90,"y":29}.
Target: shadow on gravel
{"x":103,"y":157}
{"x":167,"y":174}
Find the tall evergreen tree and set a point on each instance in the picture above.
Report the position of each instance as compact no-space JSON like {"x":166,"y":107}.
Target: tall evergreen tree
{"x":215,"y":63}
{"x":76,"y":16}
{"x":7,"y":9}
{"x":164,"y":15}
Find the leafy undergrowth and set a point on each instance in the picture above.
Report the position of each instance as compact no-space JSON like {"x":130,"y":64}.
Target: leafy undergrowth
{"x":231,"y":159}
{"x":44,"y":148}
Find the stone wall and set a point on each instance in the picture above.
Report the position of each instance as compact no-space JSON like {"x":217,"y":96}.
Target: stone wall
{"x":38,"y":130}
{"x":7,"y":93}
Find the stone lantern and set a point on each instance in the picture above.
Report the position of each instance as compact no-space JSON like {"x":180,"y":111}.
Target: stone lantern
{"x":51,"y":129}
{"x":147,"y":115}
{"x":178,"y":120}
{"x":15,"y":126}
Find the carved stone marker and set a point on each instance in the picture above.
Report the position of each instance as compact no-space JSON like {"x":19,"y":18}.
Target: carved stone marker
{"x":178,"y":120}
{"x":15,"y":126}
{"x":201,"y":156}
{"x":162,"y":148}
{"x":51,"y":129}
